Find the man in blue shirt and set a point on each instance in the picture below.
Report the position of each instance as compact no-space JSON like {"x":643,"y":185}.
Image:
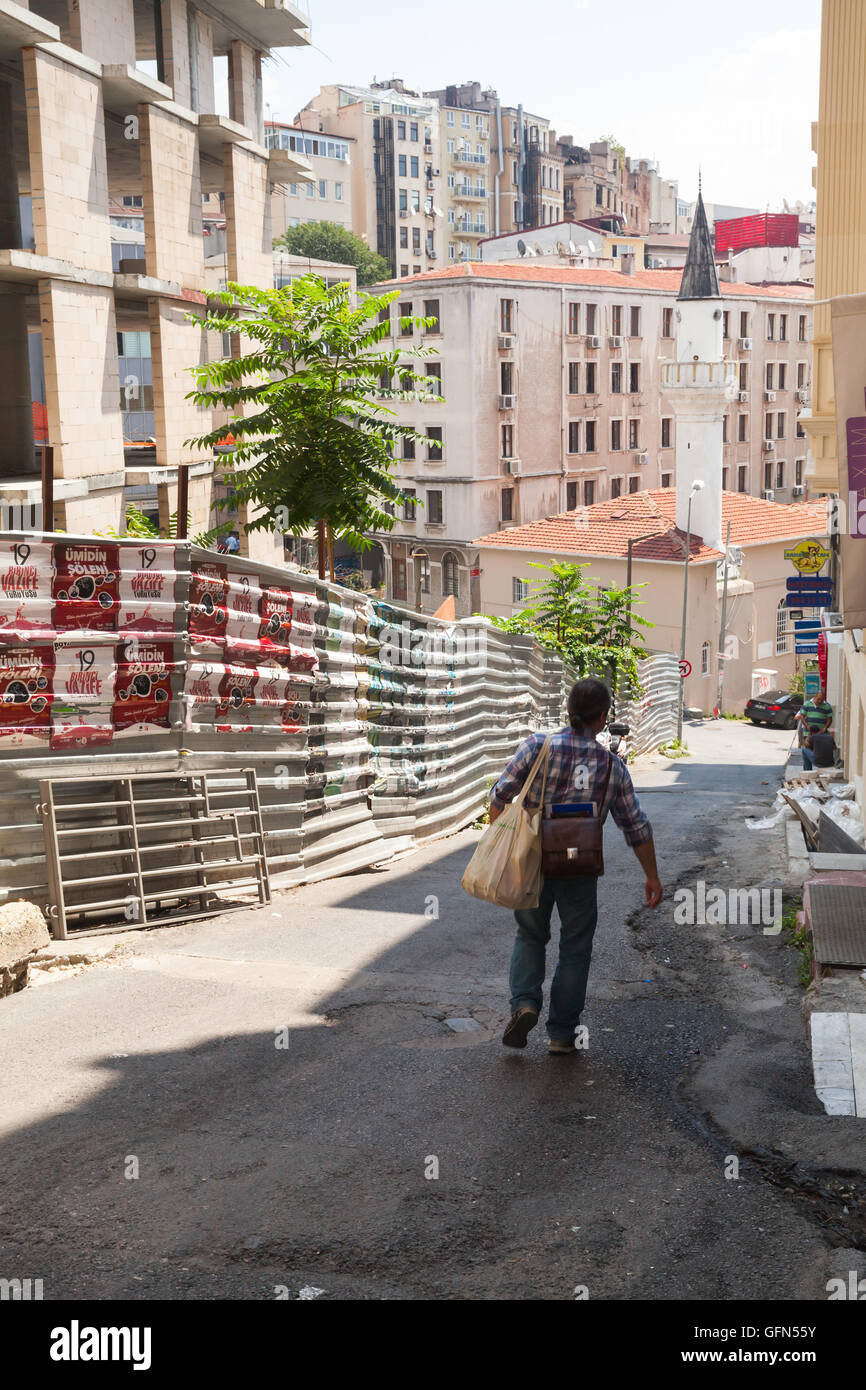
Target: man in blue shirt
{"x":576,"y":770}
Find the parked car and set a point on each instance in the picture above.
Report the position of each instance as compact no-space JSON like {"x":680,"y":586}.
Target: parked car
{"x":777,"y":709}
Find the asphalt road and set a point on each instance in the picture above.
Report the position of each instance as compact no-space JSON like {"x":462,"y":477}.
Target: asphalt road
{"x":273,"y":1100}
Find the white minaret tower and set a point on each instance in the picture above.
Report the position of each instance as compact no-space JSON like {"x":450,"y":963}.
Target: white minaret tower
{"x":700,"y":383}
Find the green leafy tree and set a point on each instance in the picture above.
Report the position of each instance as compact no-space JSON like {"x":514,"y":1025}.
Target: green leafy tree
{"x":328,"y":241}
{"x":313,"y":438}
{"x":595,"y":631}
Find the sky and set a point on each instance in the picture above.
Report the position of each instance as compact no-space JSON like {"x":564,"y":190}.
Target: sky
{"x":730,"y":86}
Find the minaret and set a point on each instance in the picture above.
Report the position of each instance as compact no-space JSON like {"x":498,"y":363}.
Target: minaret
{"x":700,"y":383}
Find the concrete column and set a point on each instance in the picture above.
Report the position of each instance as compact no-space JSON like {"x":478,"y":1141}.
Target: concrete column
{"x":175,"y":345}
{"x":175,"y":47}
{"x":103,"y":29}
{"x":243,"y":87}
{"x":82,"y":387}
{"x":204,"y":57}
{"x":171,"y":184}
{"x":16,"y":409}
{"x":10,"y":213}
{"x":249,"y":236}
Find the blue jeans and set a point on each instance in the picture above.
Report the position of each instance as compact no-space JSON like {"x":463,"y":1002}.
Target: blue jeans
{"x":576,"y":902}
{"x":808,"y":761}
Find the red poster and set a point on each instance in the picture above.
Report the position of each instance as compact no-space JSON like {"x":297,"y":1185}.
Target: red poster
{"x":84,"y":675}
{"x":142,"y":700}
{"x":26,"y":689}
{"x":237,"y":688}
{"x":86,"y":586}
{"x":276,"y":624}
{"x":147,"y":589}
{"x":244,"y":606}
{"x":207,"y":601}
{"x":26,"y":603}
{"x":86,"y":732}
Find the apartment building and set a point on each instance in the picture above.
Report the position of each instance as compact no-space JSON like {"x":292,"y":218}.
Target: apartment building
{"x":396,"y":196}
{"x":327,"y":195}
{"x":110,"y":104}
{"x":464,"y":145}
{"x":526,"y":185}
{"x":546,"y":396}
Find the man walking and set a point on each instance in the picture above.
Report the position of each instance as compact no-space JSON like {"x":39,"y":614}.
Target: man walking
{"x":579,"y":769}
{"x":814,"y":717}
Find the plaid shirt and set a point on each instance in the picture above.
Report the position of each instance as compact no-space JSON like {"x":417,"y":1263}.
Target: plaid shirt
{"x":571,"y":751}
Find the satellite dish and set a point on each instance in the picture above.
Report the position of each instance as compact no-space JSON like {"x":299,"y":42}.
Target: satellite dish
{"x":560,"y":246}
{"x":521,"y":248}
{"x":572,"y":249}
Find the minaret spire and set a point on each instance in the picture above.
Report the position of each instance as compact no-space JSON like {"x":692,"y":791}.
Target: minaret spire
{"x":700,"y":280}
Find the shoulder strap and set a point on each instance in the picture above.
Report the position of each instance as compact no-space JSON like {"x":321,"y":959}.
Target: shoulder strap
{"x":604,"y":807}
{"x":543,"y":755}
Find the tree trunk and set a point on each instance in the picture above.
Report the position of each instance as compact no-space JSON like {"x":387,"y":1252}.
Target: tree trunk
{"x":321,"y":532}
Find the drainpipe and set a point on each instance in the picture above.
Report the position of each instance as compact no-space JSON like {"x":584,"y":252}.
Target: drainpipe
{"x":501,"y":162}
{"x":521,"y":161}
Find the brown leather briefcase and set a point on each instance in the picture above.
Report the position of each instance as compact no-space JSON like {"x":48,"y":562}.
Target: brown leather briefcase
{"x":572,"y":846}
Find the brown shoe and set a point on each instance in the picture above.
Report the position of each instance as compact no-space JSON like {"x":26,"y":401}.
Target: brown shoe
{"x":560,"y":1049}
{"x":519,"y":1026}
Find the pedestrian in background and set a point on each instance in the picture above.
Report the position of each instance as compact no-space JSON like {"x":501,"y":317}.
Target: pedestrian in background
{"x":814,"y":717}
{"x":579,"y":770}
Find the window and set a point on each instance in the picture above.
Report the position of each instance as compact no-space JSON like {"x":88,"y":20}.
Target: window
{"x":634,"y":377}
{"x":599,"y":195}
{"x":507,"y":438}
{"x":667,"y":323}
{"x":780,"y":425}
{"x":407,"y":327}
{"x":741,"y":478}
{"x":413,"y":166}
{"x":771,"y":327}
{"x":781,"y":375}
{"x":768,"y":425}
{"x":634,"y":483}
{"x":573,"y":378}
{"x":400,"y":579}
{"x":589,"y":437}
{"x":423,"y":562}
{"x":401,"y":166}
{"x":404,"y":271}
{"x":667,"y":479}
{"x":801,"y":329}
{"x":780,"y":473}
{"x":634,"y":321}
{"x":783,"y":328}
{"x":408,"y":447}
{"x":781,"y":628}
{"x":570,"y":496}
{"x":573,"y":318}
{"x":449,"y":117}
{"x":134,"y":200}
{"x":338,"y":192}
{"x":409,"y":504}
{"x":743,"y":376}
{"x":574,"y":436}
{"x":705,"y":658}
{"x":413,"y":130}
{"x":416,"y":240}
{"x":450,"y":574}
{"x":616,"y":320}
{"x":465,"y":120}
{"x":401,"y":130}
{"x":801,"y":375}
{"x":449,"y":146}
{"x":519,"y":590}
{"x":309,"y":190}
{"x":798,"y":472}
{"x":433,"y":374}
{"x":667,"y":422}
{"x":770,"y":366}
{"x":416,"y":200}
{"x":403,"y":200}
{"x":741,"y":428}
{"x":634,"y":434}
{"x":799,"y":431}
{"x":404,"y":238}
{"x":616,"y":378}
{"x":744,"y":324}
{"x":434,"y":443}
{"x":507,"y":504}
{"x":590,"y":387}
{"x":589,"y":492}
{"x":506,"y":315}
{"x":506,"y":378}
{"x":616,"y":434}
{"x":724,"y":429}
{"x":591,"y":318}
{"x":724,"y":479}
{"x":616,"y":487}
{"x":431,"y":311}
{"x":434,"y":508}
{"x":726,"y":324}
{"x":768,"y":475}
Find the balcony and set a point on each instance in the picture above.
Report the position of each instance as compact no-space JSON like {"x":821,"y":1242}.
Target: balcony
{"x":271,"y":23}
{"x":470,"y":228}
{"x":466,"y":157}
{"x":700,"y":376}
{"x":464,"y":191}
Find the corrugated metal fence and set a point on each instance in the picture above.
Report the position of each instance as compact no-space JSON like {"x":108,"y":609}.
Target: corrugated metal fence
{"x":370,"y":729}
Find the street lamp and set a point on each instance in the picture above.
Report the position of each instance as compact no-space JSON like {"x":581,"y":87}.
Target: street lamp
{"x":696,"y":487}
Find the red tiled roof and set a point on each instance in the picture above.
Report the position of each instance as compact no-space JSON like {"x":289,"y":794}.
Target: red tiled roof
{"x":606,"y":527}
{"x":666,"y":280}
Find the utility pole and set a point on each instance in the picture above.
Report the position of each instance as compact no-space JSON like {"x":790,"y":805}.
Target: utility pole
{"x":724,"y":626}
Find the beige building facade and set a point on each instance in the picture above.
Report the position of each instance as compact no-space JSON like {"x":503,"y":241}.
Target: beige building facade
{"x":324,"y":197}
{"x":84,"y":125}
{"x":551,"y":398}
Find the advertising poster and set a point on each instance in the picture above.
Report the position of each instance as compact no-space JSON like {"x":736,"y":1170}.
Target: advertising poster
{"x":208,"y":603}
{"x":142,"y":700}
{"x":85,"y":587}
{"x":26,"y":691}
{"x":148,"y":586}
{"x":26,"y":602}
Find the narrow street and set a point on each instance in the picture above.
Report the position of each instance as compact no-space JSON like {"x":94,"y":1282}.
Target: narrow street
{"x":313,"y":1164}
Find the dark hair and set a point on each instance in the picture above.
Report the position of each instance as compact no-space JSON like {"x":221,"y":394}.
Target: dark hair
{"x":587,"y":699}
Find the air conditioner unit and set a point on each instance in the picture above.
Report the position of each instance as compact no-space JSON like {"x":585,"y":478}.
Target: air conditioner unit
{"x":798,"y":490}
{"x":769,"y":395}
{"x":593,"y":341}
{"x":615,"y":342}
{"x":768,"y":494}
{"x":511,"y":466}
{"x":431,"y":253}
{"x":435,"y":173}
{"x":743,"y":396}
{"x":504,"y":342}
{"x":744,"y":344}
{"x":641,"y":458}
{"x":507,"y":402}
{"x":735,"y":554}
{"x":431,"y":183}
{"x":769,"y":445}
{"x":803,"y":396}
{"x":404,"y":212}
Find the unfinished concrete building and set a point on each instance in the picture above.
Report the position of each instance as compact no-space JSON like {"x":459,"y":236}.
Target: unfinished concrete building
{"x":107,"y":103}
